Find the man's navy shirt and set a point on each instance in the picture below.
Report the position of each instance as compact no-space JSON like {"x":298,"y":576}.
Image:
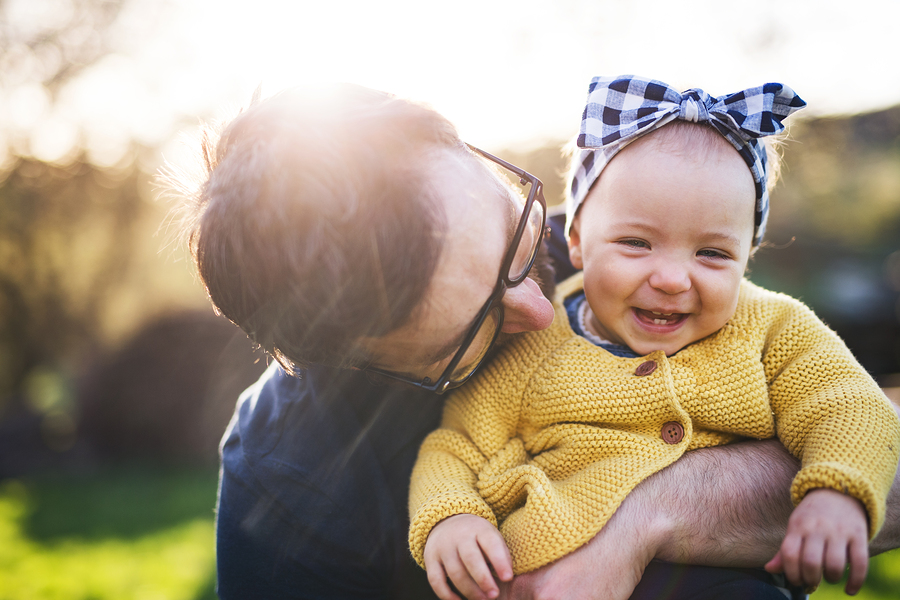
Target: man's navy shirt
{"x":313,"y":490}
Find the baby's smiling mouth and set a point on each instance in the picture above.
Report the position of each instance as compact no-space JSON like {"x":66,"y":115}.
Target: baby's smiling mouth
{"x":652,"y":317}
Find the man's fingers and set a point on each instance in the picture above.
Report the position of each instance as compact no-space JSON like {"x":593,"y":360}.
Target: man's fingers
{"x":858,"y":553}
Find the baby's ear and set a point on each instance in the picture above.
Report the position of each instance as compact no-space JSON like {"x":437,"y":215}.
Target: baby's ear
{"x":575,"y":244}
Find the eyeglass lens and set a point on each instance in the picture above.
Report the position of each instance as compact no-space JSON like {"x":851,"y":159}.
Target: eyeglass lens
{"x":479,"y":347}
{"x":525,"y":251}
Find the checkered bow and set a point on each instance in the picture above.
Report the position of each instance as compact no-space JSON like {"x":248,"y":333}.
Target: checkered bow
{"x":621,"y":109}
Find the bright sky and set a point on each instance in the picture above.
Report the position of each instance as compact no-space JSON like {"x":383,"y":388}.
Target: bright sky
{"x":507,"y":72}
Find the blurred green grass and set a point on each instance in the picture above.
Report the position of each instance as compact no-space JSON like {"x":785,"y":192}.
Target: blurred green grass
{"x":127,"y":533}
{"x":882,"y":582}
{"x":148,"y":534}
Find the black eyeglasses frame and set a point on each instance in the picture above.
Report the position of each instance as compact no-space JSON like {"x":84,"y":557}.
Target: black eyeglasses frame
{"x":504,"y":282}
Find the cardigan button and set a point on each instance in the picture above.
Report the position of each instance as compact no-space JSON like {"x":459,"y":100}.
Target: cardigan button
{"x":672,"y":432}
{"x":646,"y":368}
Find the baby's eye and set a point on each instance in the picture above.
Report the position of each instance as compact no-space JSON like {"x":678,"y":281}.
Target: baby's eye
{"x":710,"y":253}
{"x":634,"y":243}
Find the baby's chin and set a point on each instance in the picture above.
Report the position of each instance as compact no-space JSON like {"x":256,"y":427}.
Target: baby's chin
{"x":643,"y":348}
{"x":650,"y":350}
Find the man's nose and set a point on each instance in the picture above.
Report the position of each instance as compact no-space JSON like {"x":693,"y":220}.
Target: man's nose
{"x":525,"y":308}
{"x":671,"y":277}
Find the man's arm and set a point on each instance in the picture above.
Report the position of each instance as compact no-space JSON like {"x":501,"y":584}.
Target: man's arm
{"x":724,"y":507}
{"x":889,"y":536}
{"x":729,"y":506}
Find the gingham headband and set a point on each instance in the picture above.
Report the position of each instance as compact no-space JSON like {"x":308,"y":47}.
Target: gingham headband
{"x":621,"y":109}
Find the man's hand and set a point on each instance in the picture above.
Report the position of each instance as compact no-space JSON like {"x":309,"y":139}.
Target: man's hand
{"x":463,"y":548}
{"x":606,"y":568}
{"x":826,"y":531}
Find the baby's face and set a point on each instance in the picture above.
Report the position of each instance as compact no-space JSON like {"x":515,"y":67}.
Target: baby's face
{"x":664,"y":237}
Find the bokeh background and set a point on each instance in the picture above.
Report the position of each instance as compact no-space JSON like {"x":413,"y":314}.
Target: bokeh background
{"x":116,"y":379}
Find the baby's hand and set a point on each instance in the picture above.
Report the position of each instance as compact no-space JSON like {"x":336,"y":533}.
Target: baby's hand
{"x":826,"y":531}
{"x":457,"y":548}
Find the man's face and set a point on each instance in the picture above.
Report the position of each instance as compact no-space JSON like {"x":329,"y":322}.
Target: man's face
{"x":664,"y":237}
{"x":481,"y":217}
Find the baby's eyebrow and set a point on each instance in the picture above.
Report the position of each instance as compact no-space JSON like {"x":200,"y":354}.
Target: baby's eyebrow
{"x":723,"y":237}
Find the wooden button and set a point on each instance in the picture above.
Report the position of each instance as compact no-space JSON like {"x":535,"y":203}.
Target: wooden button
{"x":672,"y":432}
{"x":646,"y":368}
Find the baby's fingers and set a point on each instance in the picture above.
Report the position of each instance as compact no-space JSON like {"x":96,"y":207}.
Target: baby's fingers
{"x":813,"y":558}
{"x":835,"y":561}
{"x":495,"y":550}
{"x":790,"y":558}
{"x":477,"y":573}
{"x":437,"y":578}
{"x":468,"y":578}
{"x":776,"y":565}
{"x":859,"y":564}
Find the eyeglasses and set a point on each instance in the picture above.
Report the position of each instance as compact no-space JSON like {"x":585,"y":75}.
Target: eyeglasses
{"x":514,"y":269}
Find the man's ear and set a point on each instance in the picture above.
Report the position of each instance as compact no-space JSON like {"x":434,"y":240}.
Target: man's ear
{"x":575,"y":244}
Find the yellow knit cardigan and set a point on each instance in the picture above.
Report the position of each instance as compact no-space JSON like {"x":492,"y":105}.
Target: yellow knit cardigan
{"x":550,"y":437}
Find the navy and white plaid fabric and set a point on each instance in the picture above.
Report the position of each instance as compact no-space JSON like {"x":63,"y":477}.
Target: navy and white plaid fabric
{"x":621,"y":109}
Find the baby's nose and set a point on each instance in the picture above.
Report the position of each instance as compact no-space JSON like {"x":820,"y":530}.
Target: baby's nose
{"x":671,"y":278}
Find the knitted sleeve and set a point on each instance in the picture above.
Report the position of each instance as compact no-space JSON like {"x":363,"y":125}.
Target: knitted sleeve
{"x":479,"y":425}
{"x":829,"y":412}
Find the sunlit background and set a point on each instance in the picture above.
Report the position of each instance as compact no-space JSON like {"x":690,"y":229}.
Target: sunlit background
{"x":115,"y":378}
{"x":506,"y":72}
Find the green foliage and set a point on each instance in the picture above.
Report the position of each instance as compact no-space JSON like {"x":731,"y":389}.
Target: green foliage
{"x":115,"y":535}
{"x":882,"y":583}
{"x":137,"y":533}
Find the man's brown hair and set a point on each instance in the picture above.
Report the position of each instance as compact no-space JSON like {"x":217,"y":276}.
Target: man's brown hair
{"x":316,"y":224}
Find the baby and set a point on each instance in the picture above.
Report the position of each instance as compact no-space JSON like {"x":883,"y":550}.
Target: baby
{"x":659,"y":347}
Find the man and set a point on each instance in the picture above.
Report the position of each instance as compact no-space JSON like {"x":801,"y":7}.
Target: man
{"x":354,"y":237}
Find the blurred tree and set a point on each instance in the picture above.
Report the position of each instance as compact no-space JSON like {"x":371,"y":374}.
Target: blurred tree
{"x":59,"y":225}
{"x":65,"y":236}
{"x":169,"y":392}
{"x":51,"y":41}
{"x":80,"y":269}
{"x":75,"y":238}
{"x":842,"y":181}
{"x":547,"y":163}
